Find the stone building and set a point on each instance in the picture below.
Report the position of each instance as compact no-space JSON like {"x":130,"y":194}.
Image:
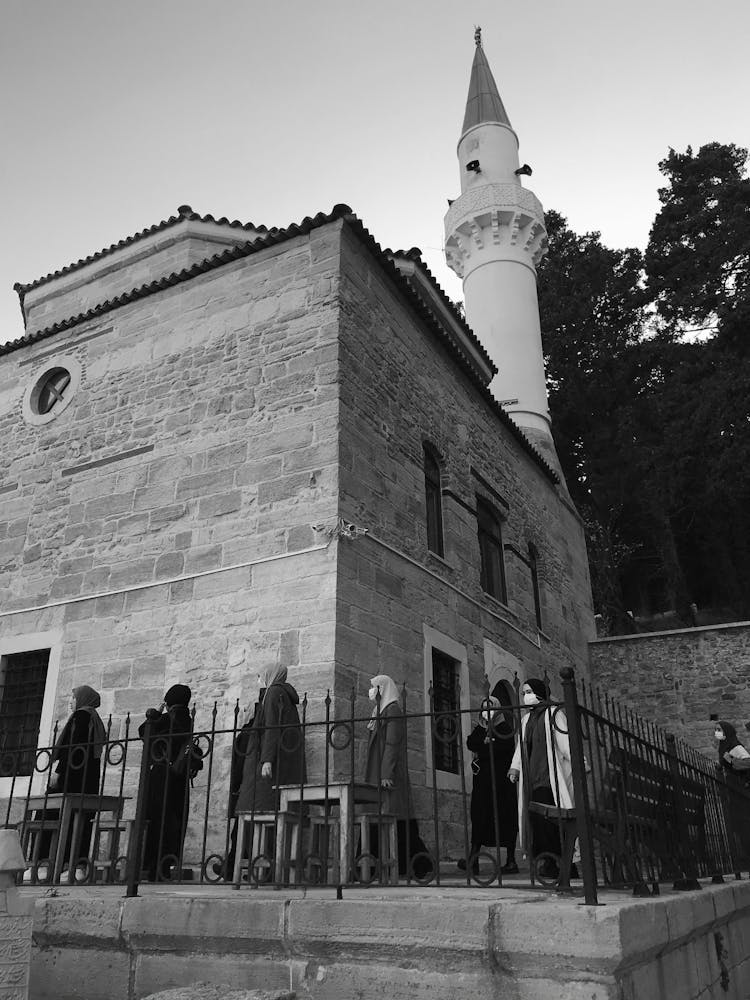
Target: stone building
{"x":227,"y":446}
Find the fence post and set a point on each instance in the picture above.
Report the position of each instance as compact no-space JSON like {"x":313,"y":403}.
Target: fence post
{"x":685,"y":854}
{"x":135,"y":848}
{"x":580,"y":786}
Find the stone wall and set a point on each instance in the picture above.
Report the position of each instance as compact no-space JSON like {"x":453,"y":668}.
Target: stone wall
{"x":164,"y":522}
{"x":399,"y":388}
{"x":408,"y":944}
{"x":679,"y":679}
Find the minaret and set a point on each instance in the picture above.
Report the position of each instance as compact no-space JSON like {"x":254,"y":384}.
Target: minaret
{"x":494,"y":237}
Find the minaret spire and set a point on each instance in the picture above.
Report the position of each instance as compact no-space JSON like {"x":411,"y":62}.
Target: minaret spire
{"x":483,"y":103}
{"x":494,"y":238}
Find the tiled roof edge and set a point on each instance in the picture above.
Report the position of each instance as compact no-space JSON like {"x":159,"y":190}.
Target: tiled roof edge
{"x":426,"y":313}
{"x":272,"y":237}
{"x":415,"y":254}
{"x":275,"y":236}
{"x":183,"y":212}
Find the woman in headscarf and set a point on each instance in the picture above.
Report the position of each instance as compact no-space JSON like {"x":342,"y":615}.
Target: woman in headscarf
{"x":386,"y":767}
{"x":168,"y":796}
{"x":546,"y":767}
{"x":491,"y":742}
{"x":731,"y":750}
{"x":75,"y":768}
{"x":275,"y":753}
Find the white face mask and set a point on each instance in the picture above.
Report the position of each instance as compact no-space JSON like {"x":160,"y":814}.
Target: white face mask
{"x":372,"y":694}
{"x":529,"y":698}
{"x":718,"y":735}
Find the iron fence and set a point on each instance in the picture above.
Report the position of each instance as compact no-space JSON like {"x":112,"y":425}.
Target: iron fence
{"x":384,"y":796}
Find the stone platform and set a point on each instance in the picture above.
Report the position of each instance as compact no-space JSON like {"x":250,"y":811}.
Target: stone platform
{"x":400,"y":943}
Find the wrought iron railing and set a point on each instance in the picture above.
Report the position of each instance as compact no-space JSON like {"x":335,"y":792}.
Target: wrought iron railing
{"x":639,"y":808}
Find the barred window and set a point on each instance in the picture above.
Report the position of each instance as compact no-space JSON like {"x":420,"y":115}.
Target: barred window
{"x":445,"y":706}
{"x":22,"y":681}
{"x":433,"y":501}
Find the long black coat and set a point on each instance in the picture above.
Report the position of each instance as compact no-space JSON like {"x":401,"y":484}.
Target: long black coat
{"x":276,"y":737}
{"x":75,"y":768}
{"x":482,"y":806}
{"x":168,"y":800}
{"x":386,"y":757}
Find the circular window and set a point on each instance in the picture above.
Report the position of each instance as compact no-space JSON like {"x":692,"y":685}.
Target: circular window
{"x":51,"y":391}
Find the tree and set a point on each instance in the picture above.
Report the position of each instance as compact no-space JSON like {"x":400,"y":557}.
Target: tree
{"x":653,"y":433}
{"x":591,"y":304}
{"x":698,"y":256}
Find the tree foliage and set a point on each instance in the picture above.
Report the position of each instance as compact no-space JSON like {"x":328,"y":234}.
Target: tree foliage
{"x":652,"y":426}
{"x":698,"y":256}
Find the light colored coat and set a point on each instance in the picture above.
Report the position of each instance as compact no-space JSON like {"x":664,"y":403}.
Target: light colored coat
{"x":560,"y":770}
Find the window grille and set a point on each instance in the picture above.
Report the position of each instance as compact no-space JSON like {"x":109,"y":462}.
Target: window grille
{"x":445,"y":706}
{"x":22,"y":680}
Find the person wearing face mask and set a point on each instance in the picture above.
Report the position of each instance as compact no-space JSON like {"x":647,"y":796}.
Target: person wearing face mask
{"x":544,"y":747}
{"x":386,"y":766}
{"x":731,"y":751}
{"x":491,"y":742}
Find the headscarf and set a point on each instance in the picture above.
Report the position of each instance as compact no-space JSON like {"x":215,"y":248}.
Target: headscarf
{"x":388,"y":692}
{"x":87,"y":700}
{"x":730,"y":739}
{"x":490,"y":707}
{"x":178,"y":694}
{"x":274,"y":675}
{"x":538,"y":687}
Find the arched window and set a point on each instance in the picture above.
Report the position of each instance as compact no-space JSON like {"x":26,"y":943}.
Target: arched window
{"x":489,"y":530}
{"x":433,"y":501}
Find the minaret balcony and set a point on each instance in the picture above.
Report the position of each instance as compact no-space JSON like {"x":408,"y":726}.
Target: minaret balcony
{"x":500,"y":221}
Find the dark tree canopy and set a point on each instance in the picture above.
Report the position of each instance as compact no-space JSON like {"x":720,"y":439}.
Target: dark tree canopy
{"x":698,"y":256}
{"x":652,"y":426}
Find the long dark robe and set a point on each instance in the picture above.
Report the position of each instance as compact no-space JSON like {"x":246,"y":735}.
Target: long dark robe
{"x":386,"y":758}
{"x":276,"y":737}
{"x":545,"y":833}
{"x":75,"y":769}
{"x":483,"y":798}
{"x":168,"y":798}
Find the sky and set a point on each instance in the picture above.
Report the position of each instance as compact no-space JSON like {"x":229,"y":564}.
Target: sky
{"x":114,"y":112}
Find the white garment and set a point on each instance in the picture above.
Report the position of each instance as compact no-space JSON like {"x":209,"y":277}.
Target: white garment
{"x":388,"y":692}
{"x":737,"y":753}
{"x":558,"y":761}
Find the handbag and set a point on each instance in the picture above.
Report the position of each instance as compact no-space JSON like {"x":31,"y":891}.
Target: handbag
{"x":189,"y":760}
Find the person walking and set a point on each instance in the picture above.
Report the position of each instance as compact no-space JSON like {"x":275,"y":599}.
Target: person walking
{"x":492,"y":791}
{"x":541,"y":761}
{"x":731,"y":751}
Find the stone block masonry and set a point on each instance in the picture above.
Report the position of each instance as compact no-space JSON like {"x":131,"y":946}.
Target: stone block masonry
{"x":407,"y":943}
{"x":198,"y":488}
{"x":681,"y":678}
{"x":400,"y":389}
